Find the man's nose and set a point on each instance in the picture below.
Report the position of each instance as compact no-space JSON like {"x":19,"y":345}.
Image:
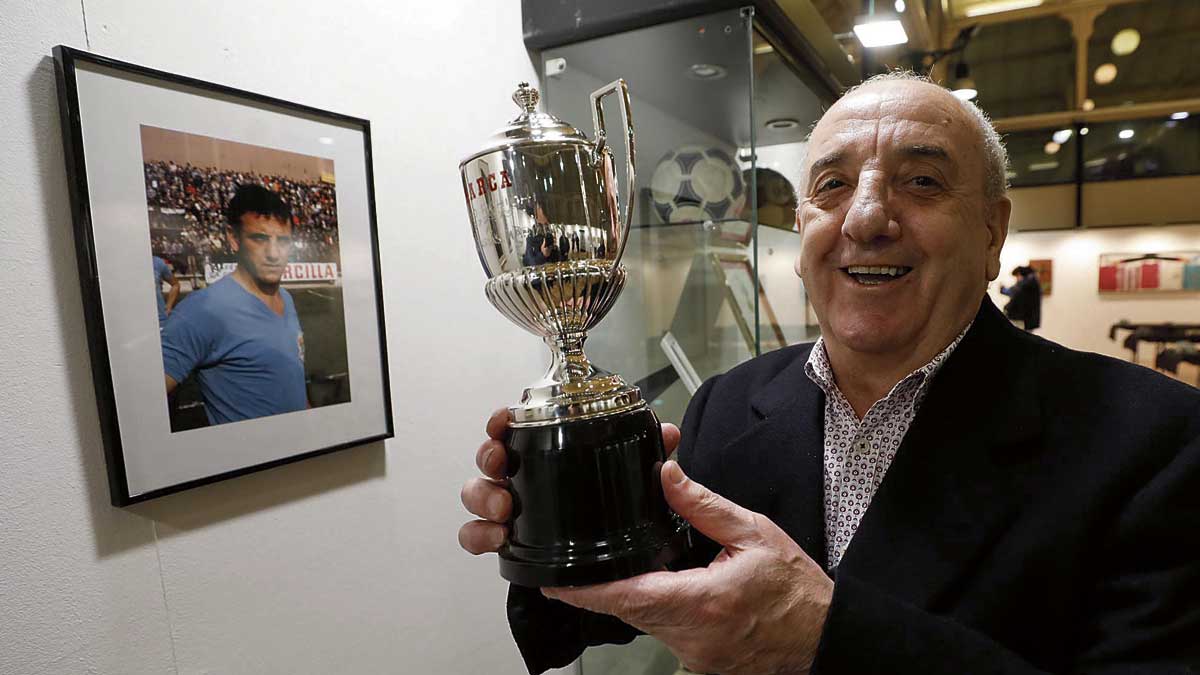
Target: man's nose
{"x":275,"y":250}
{"x":869,"y":218}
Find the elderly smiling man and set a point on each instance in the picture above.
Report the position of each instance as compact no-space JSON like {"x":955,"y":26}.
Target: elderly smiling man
{"x":926,"y":489}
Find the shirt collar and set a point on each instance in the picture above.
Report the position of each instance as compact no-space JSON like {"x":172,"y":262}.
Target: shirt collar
{"x":818,"y":369}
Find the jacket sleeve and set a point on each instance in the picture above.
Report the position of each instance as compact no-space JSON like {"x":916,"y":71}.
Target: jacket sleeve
{"x":552,"y":634}
{"x":1143,"y":615}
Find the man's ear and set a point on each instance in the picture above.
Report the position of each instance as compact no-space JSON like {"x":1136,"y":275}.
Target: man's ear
{"x":232,"y":236}
{"x":996,"y":220}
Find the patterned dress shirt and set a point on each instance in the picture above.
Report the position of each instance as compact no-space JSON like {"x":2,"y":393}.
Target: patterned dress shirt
{"x":859,"y":452}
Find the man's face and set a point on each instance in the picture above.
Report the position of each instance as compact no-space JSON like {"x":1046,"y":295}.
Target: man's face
{"x":899,"y":241}
{"x":263,"y":247}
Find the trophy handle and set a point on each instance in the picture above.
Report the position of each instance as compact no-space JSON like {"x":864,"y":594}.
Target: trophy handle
{"x":602,"y":146}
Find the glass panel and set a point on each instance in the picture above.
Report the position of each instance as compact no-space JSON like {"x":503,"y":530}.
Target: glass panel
{"x":1148,"y":49}
{"x":1022,"y":67}
{"x":1145,"y":148}
{"x":1041,"y":157}
{"x":785,"y":110}
{"x":689,"y":82}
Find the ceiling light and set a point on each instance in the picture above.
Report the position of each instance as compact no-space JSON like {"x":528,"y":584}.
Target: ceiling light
{"x":1001,"y":6}
{"x":1088,"y":104}
{"x":706,"y":71}
{"x":1126,"y":42}
{"x":1062,"y":136}
{"x":964,"y":84}
{"x":1179,"y":116}
{"x":1083,"y":131}
{"x":879,"y":30}
{"x":1105,"y":73}
{"x":783,"y":123}
{"x":1043,"y":166}
{"x":1126,"y":133}
{"x":900,"y":6}
{"x":1051,"y":148}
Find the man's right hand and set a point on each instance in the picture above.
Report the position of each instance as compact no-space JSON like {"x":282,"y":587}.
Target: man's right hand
{"x":488,"y":497}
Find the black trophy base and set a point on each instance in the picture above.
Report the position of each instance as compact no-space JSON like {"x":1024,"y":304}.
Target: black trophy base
{"x":588,"y":503}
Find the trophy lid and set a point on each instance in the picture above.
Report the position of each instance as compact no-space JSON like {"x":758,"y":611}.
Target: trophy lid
{"x":530,"y":127}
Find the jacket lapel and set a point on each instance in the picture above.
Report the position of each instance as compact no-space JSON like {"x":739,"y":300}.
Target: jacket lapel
{"x":776,"y":467}
{"x":956,"y":482}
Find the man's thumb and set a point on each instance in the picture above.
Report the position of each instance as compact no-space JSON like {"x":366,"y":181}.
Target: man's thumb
{"x":714,"y":516}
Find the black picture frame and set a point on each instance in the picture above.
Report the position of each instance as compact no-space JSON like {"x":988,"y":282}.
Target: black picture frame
{"x":68,"y":63}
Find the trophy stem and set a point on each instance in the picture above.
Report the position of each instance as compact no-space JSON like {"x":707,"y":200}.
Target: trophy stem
{"x":569,"y":364}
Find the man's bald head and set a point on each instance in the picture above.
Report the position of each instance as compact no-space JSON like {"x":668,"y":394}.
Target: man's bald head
{"x":992,"y":155}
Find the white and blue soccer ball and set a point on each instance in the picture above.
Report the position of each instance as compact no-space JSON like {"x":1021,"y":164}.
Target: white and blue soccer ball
{"x":697,"y":184}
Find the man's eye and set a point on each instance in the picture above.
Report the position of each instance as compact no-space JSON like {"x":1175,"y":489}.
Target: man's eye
{"x":830,"y":184}
{"x":925,"y":181}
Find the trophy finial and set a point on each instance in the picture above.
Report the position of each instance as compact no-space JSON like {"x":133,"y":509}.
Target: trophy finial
{"x":526,"y":96}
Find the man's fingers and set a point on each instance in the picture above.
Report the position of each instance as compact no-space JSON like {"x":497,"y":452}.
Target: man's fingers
{"x":671,"y":436}
{"x":480,"y":536}
{"x":487,"y":500}
{"x":497,"y":424}
{"x":714,"y":516}
{"x":492,"y":459}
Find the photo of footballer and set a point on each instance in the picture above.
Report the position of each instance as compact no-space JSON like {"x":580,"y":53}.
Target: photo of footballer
{"x":244,"y":241}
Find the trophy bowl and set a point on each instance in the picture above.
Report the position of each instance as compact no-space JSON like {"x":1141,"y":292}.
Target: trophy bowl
{"x":584,"y":449}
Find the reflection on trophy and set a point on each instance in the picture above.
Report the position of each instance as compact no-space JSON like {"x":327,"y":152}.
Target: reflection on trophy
{"x":584,"y":448}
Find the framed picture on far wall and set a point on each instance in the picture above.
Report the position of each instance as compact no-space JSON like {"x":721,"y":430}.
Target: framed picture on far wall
{"x":229,"y":261}
{"x":1166,"y":272}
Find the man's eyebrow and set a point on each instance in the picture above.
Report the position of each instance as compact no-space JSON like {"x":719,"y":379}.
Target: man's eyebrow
{"x":926,"y":151}
{"x":826,"y":161}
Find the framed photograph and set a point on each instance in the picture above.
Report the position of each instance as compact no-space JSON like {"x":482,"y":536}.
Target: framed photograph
{"x":737,"y":275}
{"x":1166,"y":272}
{"x":1045,"y":274}
{"x":253,"y":222}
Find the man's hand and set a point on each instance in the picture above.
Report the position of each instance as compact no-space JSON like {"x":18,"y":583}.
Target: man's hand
{"x":488,"y":497}
{"x":759,"y":607}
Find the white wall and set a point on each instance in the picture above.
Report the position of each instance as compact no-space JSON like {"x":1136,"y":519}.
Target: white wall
{"x":1075,"y":314}
{"x":346,"y":563}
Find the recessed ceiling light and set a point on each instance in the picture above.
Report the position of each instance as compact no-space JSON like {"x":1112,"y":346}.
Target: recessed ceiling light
{"x":706,"y":71}
{"x":1083,"y":131}
{"x":966,"y":93}
{"x":1051,"y":148}
{"x":1089,"y":104}
{"x":1179,"y":116}
{"x":1105,"y":73}
{"x":782,"y":123}
{"x":900,"y":6}
{"x":1062,"y":136}
{"x":1126,"y":42}
{"x":1000,"y":6}
{"x":1125,"y":133}
{"x":879,"y":30}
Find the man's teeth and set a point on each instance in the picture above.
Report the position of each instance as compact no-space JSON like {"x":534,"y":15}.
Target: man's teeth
{"x":889,"y":271}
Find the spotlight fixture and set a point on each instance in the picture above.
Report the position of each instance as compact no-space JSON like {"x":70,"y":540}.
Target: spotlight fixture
{"x":900,"y":6}
{"x":706,"y":71}
{"x":1125,"y":42}
{"x":1088,"y":104}
{"x":1051,"y":148}
{"x":1125,"y":134}
{"x":879,"y":29}
{"x":1083,"y":131}
{"x":1179,"y":116}
{"x":1105,"y":73}
{"x":782,"y":123}
{"x":1062,"y":136}
{"x":964,"y":84}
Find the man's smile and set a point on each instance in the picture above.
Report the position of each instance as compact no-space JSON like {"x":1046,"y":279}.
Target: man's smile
{"x":874,"y":275}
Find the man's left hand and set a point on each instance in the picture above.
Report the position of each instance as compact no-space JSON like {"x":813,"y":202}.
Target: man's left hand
{"x":759,"y":607}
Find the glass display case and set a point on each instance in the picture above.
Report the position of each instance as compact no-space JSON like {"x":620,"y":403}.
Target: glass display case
{"x":721,"y":120}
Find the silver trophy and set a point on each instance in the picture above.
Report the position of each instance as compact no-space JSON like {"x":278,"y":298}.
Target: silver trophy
{"x":583,"y":447}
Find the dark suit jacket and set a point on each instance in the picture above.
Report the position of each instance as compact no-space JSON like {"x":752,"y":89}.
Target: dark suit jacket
{"x":1041,"y":514}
